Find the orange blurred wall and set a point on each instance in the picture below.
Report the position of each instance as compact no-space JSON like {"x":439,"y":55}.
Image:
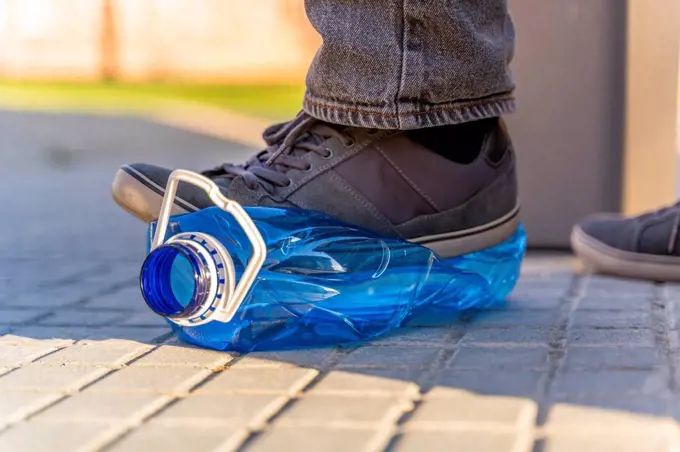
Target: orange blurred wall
{"x":192,"y":40}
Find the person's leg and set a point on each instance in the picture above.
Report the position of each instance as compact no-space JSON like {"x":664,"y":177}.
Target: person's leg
{"x":400,"y":133}
{"x":409,"y":64}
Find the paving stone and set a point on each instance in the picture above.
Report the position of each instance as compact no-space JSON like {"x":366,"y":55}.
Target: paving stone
{"x":13,"y":339}
{"x":533,"y":299}
{"x":521,"y":335}
{"x":660,"y":404}
{"x":20,"y":316}
{"x":593,"y":337}
{"x":15,"y":355}
{"x":299,"y":438}
{"x":614,"y":442}
{"x":387,"y":384}
{"x":105,"y":353}
{"x":39,"y":437}
{"x":612,"y":357}
{"x":81,"y":318}
{"x":544,"y":318}
{"x":144,"y":334}
{"x":391,"y":356}
{"x":583,"y":419}
{"x":212,"y":409}
{"x":508,"y":383}
{"x":150,"y":380}
{"x":42,"y":299}
{"x":18,"y":405}
{"x":312,"y":358}
{"x":327,"y":409}
{"x":128,"y":299}
{"x":513,"y":358}
{"x":614,"y":301}
{"x":447,"y":441}
{"x":280,"y":381}
{"x":612,"y":319}
{"x":173,"y":439}
{"x":609,"y":285}
{"x":89,"y":406}
{"x":427,"y":335}
{"x":513,"y":412}
{"x":145,"y":318}
{"x":184,"y":355}
{"x":50,"y":378}
{"x":561,"y":280}
{"x":54,"y":333}
{"x":75,"y":333}
{"x":620,"y":382}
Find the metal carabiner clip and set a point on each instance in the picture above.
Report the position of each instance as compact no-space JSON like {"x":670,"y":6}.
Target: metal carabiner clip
{"x":222,"y":297}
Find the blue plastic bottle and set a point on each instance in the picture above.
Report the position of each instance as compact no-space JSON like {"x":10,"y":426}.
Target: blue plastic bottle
{"x":304,"y":279}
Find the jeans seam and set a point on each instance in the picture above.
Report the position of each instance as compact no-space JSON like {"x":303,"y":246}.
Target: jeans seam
{"x":402,"y":77}
{"x":492,"y":100}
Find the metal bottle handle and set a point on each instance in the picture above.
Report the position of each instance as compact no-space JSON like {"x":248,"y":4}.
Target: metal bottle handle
{"x":229,"y":308}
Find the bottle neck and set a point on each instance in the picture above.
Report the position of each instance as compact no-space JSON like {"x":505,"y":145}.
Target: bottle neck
{"x":175,"y":281}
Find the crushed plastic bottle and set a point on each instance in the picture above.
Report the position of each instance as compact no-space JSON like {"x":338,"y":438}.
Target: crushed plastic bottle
{"x":304,"y":279}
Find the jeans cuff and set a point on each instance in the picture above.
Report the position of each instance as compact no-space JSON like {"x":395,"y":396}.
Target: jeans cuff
{"x":409,"y":116}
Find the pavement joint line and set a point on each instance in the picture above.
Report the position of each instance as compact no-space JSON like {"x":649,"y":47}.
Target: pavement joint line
{"x":662,"y":319}
{"x":558,"y":343}
{"x":117,"y":432}
{"x":75,"y":278}
{"x":59,"y":397}
{"x":131,"y":425}
{"x":235,"y":440}
{"x":97,"y":374}
{"x":37,"y":408}
{"x":161,"y":404}
{"x":294,"y":394}
{"x":388,"y":433}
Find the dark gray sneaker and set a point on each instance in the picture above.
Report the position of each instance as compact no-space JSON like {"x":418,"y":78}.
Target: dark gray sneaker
{"x":452,"y":189}
{"x":645,"y":247}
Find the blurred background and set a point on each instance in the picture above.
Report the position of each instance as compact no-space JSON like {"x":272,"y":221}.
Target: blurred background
{"x":250,"y":56}
{"x":597,"y":87}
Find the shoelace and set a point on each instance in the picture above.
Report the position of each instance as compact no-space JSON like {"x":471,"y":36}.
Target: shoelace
{"x":286,"y":143}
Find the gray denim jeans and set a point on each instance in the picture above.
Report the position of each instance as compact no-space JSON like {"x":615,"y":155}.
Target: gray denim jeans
{"x":409,"y":64}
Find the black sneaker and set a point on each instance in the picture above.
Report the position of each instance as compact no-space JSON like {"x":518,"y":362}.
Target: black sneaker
{"x":645,"y":247}
{"x":451,"y":188}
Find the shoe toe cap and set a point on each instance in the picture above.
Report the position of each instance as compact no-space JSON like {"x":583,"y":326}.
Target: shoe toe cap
{"x":610,"y":229}
{"x":155,"y":178}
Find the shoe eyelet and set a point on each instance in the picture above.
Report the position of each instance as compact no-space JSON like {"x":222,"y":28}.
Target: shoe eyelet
{"x":329,"y":154}
{"x":288,"y":184}
{"x":308,"y":169}
{"x":349,"y":143}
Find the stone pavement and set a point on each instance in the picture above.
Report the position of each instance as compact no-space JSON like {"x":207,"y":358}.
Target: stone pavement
{"x":572,"y":363}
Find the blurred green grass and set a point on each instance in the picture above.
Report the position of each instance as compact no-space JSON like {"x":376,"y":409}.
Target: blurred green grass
{"x":275,"y":102}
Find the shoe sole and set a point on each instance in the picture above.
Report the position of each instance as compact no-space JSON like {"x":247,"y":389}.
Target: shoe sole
{"x":140,"y":196}
{"x":605,"y":259}
{"x":474,"y":239}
